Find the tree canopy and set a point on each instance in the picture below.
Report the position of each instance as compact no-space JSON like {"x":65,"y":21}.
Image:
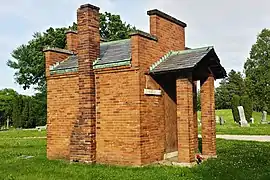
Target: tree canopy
{"x":257,"y":70}
{"x":29,"y":60}
{"x":234,"y":84}
{"x":7,"y":97}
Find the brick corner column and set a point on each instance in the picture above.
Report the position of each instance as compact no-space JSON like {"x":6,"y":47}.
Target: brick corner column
{"x":208,"y":117}
{"x":185,"y":121}
{"x":83,"y":137}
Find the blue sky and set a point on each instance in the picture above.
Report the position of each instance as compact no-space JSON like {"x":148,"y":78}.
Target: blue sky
{"x":231,"y":26}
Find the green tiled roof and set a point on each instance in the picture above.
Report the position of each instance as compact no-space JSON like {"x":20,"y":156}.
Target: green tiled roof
{"x":180,"y":59}
{"x":112,"y":54}
{"x":185,"y":59}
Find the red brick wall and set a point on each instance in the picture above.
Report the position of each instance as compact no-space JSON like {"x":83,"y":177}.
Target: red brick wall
{"x":72,"y":41}
{"x":118,"y":117}
{"x":145,"y":52}
{"x":208,"y":117}
{"x":151,"y":107}
{"x":62,"y":108}
{"x":83,"y":139}
{"x":185,"y":121}
{"x":170,"y":35}
{"x":130,"y":126}
{"x":53,"y":57}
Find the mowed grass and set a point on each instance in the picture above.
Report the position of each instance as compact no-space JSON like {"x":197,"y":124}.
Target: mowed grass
{"x":22,"y":133}
{"x":236,"y":160}
{"x":230,"y":127}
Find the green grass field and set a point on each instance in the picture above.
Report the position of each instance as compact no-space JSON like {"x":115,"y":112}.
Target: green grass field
{"x":231,"y":127}
{"x":21,"y":134}
{"x":236,"y":160}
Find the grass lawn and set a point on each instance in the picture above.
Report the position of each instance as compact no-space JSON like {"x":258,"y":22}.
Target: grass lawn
{"x":236,"y":160}
{"x":21,"y":133}
{"x":232,"y":128}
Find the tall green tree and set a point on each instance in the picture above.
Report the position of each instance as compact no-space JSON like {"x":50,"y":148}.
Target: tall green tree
{"x":17,"y":109}
{"x":38,"y":110}
{"x":7,"y":97}
{"x":234,"y":84}
{"x":246,"y":102}
{"x":29,"y":60}
{"x":235,"y":102}
{"x":113,"y":28}
{"x":257,"y":70}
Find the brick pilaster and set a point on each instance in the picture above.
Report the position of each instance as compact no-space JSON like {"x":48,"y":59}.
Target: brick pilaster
{"x":208,"y":117}
{"x":195,"y":117}
{"x":72,"y":41}
{"x":185,"y":121}
{"x":83,"y":137}
{"x":52,"y":56}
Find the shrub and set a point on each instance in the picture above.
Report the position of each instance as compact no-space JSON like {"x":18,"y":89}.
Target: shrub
{"x":234,"y":103}
{"x":246,"y":102}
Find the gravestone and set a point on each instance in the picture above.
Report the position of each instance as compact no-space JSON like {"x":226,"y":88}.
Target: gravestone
{"x":217,"y":119}
{"x":264,"y":120}
{"x":221,"y":121}
{"x":39,"y":128}
{"x":199,"y":122}
{"x":7,"y":123}
{"x":243,"y":122}
{"x":252,"y":120}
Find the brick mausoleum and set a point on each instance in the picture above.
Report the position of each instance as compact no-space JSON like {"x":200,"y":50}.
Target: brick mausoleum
{"x":132,"y":101}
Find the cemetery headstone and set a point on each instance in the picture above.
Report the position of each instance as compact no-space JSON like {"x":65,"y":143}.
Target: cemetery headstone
{"x":221,"y":121}
{"x":199,"y":122}
{"x":264,"y":119}
{"x":252,"y":120}
{"x":243,"y":121}
{"x":7,"y":123}
{"x":217,"y":119}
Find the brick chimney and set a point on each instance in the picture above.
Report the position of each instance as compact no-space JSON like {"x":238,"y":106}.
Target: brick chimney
{"x":72,"y":40}
{"x":169,"y":30}
{"x":83,"y":138}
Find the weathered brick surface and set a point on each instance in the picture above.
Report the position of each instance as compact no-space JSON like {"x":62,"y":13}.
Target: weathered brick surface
{"x":155,"y":110}
{"x":62,"y":109}
{"x":208,"y":117}
{"x":106,"y":116}
{"x":53,"y":57}
{"x":185,"y":121}
{"x":170,"y":35}
{"x":83,"y":138}
{"x":118,"y":117}
{"x":72,"y":41}
{"x":152,"y":109}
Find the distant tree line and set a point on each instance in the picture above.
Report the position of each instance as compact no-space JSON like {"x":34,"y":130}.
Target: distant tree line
{"x":20,"y":110}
